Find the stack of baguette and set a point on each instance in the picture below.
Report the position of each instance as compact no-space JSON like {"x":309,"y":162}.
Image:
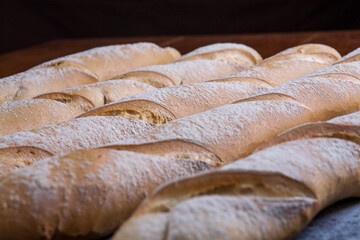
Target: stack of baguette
{"x":83,"y":178}
{"x":271,"y":194}
{"x":184,"y":100}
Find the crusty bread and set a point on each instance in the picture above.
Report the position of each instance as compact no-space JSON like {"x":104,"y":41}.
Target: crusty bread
{"x":86,"y":97}
{"x":24,"y":148}
{"x":87,"y":193}
{"x":235,"y":130}
{"x":271,"y":194}
{"x":97,"y":94}
{"x":167,"y":104}
{"x":309,"y":52}
{"x":33,"y":82}
{"x":27,"y":114}
{"x":234,"y":53}
{"x":82,"y":68}
{"x":174,"y":74}
{"x":111,"y":60}
{"x":345,"y":126}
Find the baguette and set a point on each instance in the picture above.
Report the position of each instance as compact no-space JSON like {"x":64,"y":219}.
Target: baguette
{"x":167,"y":104}
{"x":272,"y":194}
{"x":233,"y":53}
{"x":31,"y":113}
{"x":174,"y":74}
{"x":111,"y":60}
{"x":28,"y":84}
{"x":82,"y":68}
{"x":24,"y":148}
{"x":235,"y":130}
{"x":85,"y":194}
{"x":87,"y":97}
{"x":80,"y":96}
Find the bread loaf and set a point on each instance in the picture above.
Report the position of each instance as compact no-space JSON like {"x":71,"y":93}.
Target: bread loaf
{"x":85,"y":194}
{"x":271,"y":194}
{"x":174,"y":74}
{"x":235,"y":130}
{"x":27,"y":114}
{"x":97,"y":94}
{"x":82,"y":68}
{"x":36,"y":81}
{"x":167,"y":104}
{"x":111,"y":60}
{"x":233,"y":53}
{"x":24,"y":148}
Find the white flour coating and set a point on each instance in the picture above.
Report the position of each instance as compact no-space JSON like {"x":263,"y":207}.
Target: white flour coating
{"x":59,"y":192}
{"x":81,"y":133}
{"x":349,"y":119}
{"x":190,"y":71}
{"x":193,"y":98}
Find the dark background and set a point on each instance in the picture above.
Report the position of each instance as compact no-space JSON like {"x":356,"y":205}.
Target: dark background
{"x":24,"y":23}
